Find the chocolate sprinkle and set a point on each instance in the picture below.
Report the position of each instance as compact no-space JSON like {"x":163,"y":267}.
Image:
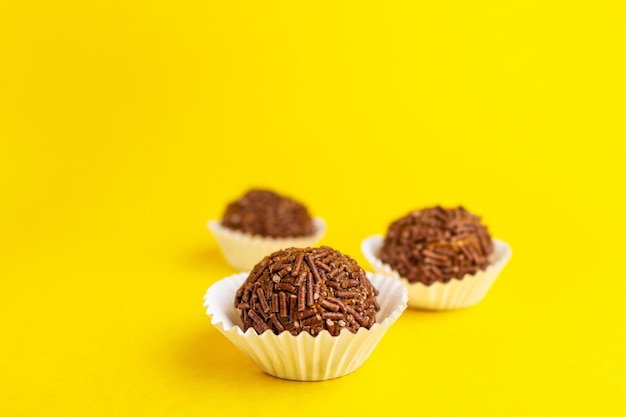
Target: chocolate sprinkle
{"x":437,"y":244}
{"x":265,"y":213}
{"x":325,"y":290}
{"x":282,"y":301}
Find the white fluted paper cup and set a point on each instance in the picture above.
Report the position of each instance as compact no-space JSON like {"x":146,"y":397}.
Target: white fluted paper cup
{"x":304,"y":357}
{"x":243,"y":251}
{"x":456,"y":293}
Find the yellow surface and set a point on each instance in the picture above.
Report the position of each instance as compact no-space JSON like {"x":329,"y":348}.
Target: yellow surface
{"x":124,"y":127}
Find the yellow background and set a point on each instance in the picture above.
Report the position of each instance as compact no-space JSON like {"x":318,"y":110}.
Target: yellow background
{"x":125,"y":126}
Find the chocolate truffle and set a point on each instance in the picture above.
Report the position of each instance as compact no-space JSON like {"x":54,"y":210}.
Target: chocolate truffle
{"x":307,"y":290}
{"x":265,"y":213}
{"x":437,"y":244}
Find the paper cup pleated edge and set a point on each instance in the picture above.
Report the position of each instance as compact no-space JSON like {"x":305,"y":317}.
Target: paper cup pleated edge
{"x":304,"y":357}
{"x":454,"y":294}
{"x":243,"y":251}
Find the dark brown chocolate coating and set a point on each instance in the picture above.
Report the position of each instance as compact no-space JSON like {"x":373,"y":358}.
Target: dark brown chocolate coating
{"x":437,"y":244}
{"x":307,"y":290}
{"x":265,"y":213}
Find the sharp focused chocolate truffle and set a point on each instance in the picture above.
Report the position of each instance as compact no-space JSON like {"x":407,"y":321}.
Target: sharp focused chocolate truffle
{"x":307,"y":290}
{"x":265,"y":213}
{"x":437,"y":244}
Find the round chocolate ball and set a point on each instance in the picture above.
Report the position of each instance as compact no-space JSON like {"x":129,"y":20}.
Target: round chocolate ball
{"x":266,"y":213}
{"x":307,"y":290}
{"x":437,"y":245}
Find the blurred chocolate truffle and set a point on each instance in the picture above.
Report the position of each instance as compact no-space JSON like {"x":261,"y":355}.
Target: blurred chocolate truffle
{"x":307,"y":290}
{"x":266,"y":213}
{"x":437,"y":245}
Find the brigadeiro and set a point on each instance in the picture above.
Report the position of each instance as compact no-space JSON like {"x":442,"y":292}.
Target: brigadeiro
{"x":263,"y":221}
{"x":306,"y":313}
{"x":307,"y":290}
{"x":445,"y":257}
{"x":266,"y":213}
